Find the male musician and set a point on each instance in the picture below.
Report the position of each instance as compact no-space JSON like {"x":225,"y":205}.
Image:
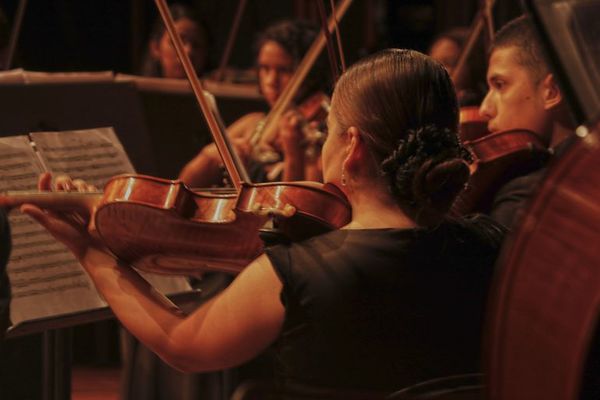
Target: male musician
{"x":522,"y":94}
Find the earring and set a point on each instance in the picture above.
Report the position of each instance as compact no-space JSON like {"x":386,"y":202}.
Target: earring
{"x":343,"y":180}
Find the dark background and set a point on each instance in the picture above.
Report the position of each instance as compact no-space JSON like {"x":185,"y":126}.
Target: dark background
{"x":88,"y":35}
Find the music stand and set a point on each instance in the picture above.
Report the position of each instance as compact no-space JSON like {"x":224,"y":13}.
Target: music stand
{"x":80,"y":105}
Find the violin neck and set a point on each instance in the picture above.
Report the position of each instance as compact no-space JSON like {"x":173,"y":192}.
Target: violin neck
{"x":57,"y":201}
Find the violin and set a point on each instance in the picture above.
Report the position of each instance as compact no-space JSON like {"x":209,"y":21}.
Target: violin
{"x":498,"y":157}
{"x":312,"y":112}
{"x":315,"y":111}
{"x":161,"y":226}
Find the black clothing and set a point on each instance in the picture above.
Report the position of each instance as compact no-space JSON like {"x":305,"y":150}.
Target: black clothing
{"x":511,"y":199}
{"x":4,"y":284}
{"x":21,"y":357}
{"x":382,"y":309}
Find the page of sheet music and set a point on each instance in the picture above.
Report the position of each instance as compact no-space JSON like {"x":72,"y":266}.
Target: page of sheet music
{"x":94,"y":155}
{"x":45,"y":277}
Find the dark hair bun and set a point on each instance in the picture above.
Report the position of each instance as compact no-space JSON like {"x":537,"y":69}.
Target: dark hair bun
{"x":426,"y":172}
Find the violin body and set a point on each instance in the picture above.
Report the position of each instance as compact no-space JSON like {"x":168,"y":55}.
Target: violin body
{"x":300,"y":209}
{"x":498,"y":158}
{"x":161,"y":226}
{"x":313,"y":109}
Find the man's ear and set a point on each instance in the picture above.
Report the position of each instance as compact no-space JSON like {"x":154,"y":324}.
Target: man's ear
{"x":551,"y":92}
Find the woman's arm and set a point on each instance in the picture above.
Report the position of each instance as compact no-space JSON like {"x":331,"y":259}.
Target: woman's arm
{"x":229,"y":329}
{"x":204,"y":170}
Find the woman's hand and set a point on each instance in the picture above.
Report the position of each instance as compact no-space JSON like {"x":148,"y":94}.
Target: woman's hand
{"x":70,"y":228}
{"x":64,"y":183}
{"x":290,"y":135}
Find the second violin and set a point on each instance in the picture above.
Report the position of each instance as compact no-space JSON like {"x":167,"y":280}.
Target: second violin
{"x":498,"y":157}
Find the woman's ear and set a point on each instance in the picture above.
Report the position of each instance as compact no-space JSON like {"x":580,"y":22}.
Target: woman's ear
{"x":552,"y":93}
{"x":356,"y":151}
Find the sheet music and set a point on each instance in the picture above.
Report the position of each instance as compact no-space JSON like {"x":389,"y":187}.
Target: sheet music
{"x":45,"y":277}
{"x":94,"y":155}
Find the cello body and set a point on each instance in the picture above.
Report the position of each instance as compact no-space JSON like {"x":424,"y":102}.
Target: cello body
{"x":546,"y":301}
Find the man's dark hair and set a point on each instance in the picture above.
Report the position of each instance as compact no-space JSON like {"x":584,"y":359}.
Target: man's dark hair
{"x":520,"y":33}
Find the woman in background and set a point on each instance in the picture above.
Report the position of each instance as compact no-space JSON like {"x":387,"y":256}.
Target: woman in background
{"x":470,"y":83}
{"x":280,"y":48}
{"x":161,"y":58}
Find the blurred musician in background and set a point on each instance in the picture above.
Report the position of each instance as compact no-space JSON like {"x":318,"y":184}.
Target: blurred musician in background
{"x":4,"y":283}
{"x":523,"y":94}
{"x":4,"y":231}
{"x":280,"y":49}
{"x":161,"y":59}
{"x":470,"y":82}
{"x":20,"y":360}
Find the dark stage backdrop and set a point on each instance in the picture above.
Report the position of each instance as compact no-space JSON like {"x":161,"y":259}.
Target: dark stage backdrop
{"x":74,"y":35}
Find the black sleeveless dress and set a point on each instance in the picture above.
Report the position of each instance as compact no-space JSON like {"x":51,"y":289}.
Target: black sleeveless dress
{"x":381,"y":309}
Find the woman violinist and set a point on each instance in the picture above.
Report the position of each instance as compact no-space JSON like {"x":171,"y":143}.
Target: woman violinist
{"x":280,"y":50}
{"x":393,"y":298}
{"x":470,"y":80}
{"x":161,"y":59}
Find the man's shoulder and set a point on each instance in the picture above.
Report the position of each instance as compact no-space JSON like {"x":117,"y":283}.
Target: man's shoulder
{"x":527,"y":182}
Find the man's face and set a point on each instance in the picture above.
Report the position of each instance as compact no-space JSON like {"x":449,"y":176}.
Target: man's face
{"x":514,"y":99}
